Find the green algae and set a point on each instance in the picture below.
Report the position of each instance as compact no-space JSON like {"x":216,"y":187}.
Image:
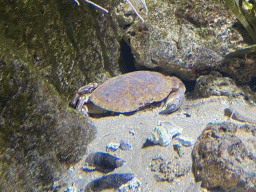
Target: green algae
{"x":245,"y":11}
{"x":40,"y":135}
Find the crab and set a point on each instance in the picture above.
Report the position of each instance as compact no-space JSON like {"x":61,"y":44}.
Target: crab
{"x":129,"y":92}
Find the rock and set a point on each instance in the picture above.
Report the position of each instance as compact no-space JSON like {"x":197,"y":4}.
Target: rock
{"x":135,"y":6}
{"x":160,"y":136}
{"x":191,"y":39}
{"x":222,"y":160}
{"x":132,"y":186}
{"x":185,"y":141}
{"x":112,"y":146}
{"x":122,"y":145}
{"x":164,"y":133}
{"x":178,"y":149}
{"x":103,"y":162}
{"x":125,"y":145}
{"x":109,"y":182}
{"x":242,"y":69}
{"x":173,"y":130}
{"x":216,"y":85}
{"x":40,"y":136}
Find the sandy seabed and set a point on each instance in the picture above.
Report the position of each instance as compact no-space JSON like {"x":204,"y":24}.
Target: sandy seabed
{"x":192,"y":117}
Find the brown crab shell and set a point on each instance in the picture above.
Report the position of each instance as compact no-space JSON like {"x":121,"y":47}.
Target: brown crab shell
{"x":128,"y":92}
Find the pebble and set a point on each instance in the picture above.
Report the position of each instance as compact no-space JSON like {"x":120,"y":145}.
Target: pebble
{"x":185,"y":141}
{"x":112,"y":146}
{"x":160,"y":136}
{"x":178,"y":149}
{"x":163,"y":133}
{"x":109,"y":182}
{"x":131,"y":186}
{"x":125,"y":145}
{"x":172,"y":129}
{"x":103,"y":162}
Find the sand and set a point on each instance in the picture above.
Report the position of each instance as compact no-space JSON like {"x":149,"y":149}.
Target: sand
{"x":193,"y":117}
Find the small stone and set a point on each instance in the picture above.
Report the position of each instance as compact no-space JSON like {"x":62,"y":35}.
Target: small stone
{"x":131,"y":186}
{"x":185,"y":141}
{"x":109,"y":181}
{"x":166,"y":124}
{"x":173,"y":130}
{"x":160,"y":136}
{"x":125,"y":145}
{"x":132,"y":133}
{"x":112,"y":146}
{"x":103,"y":162}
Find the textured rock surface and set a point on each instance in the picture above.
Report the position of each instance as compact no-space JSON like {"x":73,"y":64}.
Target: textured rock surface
{"x":222,"y":160}
{"x":216,"y":85}
{"x":70,"y":45}
{"x":109,"y":182}
{"x":185,"y":38}
{"x":48,"y":50}
{"x":240,"y":69}
{"x":40,"y":137}
{"x":103,"y":162}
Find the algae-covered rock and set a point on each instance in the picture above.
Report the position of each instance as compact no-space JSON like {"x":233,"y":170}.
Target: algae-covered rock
{"x":48,"y":50}
{"x":40,"y":137}
{"x":68,"y":44}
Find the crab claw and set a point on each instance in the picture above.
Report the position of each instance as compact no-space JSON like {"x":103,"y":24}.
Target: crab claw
{"x":80,"y":97}
{"x":173,"y":102}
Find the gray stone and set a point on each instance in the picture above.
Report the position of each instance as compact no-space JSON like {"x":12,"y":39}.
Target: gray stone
{"x":124,"y":145}
{"x":112,"y":146}
{"x":222,"y":160}
{"x":186,"y":38}
{"x":132,"y":186}
{"x":216,"y":85}
{"x":112,"y":181}
{"x":103,"y":162}
{"x":160,"y":136}
{"x":185,"y":141}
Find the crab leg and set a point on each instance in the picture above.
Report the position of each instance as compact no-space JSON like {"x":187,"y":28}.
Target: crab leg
{"x":82,"y":91}
{"x":82,"y":100}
